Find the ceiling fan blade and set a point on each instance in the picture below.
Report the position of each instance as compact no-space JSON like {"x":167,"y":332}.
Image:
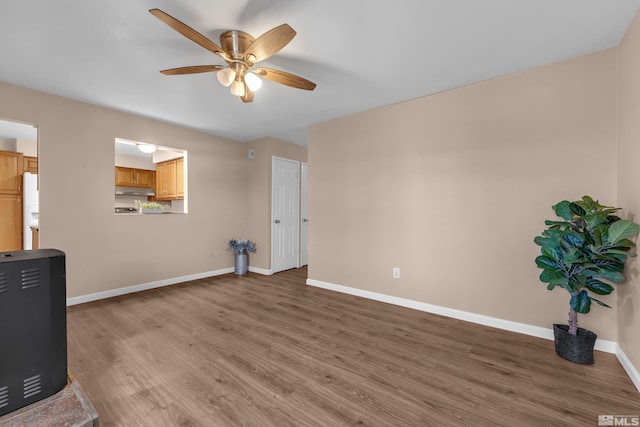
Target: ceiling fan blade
{"x":187,"y":31}
{"x":285,"y":78}
{"x":248,"y":94}
{"x":192,"y":69}
{"x":270,"y":43}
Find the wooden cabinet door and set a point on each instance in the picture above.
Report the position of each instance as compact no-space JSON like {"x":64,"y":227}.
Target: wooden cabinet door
{"x":180,"y":178}
{"x":169,"y":183}
{"x":124,"y":176}
{"x":166,"y":180}
{"x":11,"y":169}
{"x":144,"y":178}
{"x":11,"y":223}
{"x":169,"y":180}
{"x":31,"y":164}
{"x":160,"y":171}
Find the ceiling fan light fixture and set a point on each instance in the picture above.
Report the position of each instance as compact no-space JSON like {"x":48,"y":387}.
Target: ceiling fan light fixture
{"x":254,"y":82}
{"x":147,"y":148}
{"x":241,"y":52}
{"x":226,"y":76}
{"x":237,"y":88}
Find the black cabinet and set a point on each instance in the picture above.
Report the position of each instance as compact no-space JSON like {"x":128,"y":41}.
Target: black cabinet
{"x":33,"y":327}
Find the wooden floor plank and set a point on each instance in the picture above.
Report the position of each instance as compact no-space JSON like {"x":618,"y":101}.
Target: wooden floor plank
{"x":258,"y":350}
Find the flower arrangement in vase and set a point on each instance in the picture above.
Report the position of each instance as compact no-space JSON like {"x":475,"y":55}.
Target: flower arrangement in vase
{"x":240,"y":249}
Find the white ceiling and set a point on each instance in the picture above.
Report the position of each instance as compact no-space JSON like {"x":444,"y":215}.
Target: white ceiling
{"x":362,"y":53}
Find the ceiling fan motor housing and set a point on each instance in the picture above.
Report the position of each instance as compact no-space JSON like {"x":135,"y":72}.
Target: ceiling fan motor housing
{"x":235,"y":43}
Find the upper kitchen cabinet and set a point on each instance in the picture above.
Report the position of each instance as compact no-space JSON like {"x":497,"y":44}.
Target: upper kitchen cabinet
{"x":170,"y":180}
{"x":180,"y":178}
{"x":130,"y":177}
{"x":11,"y":169}
{"x":30,"y":164}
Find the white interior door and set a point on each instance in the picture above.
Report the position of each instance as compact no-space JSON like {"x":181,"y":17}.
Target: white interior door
{"x":304,"y":225}
{"x":285,"y":213}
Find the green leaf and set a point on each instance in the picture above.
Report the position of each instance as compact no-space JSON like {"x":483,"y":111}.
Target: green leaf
{"x":563,"y":210}
{"x":624,"y":243}
{"x":577,"y":209}
{"x":556,"y":223}
{"x":609,"y":267}
{"x":550,"y":275}
{"x":551,"y":253}
{"x":612,"y":218}
{"x":540,"y":241}
{"x":594,"y":220}
{"x":573,"y":256}
{"x":598,"y":287}
{"x":613,"y":276}
{"x":599,"y":302}
{"x":581,"y":302}
{"x":545,"y":262}
{"x":600,"y":234}
{"x":589,"y":272}
{"x":588,"y":202}
{"x":622,"y":229}
{"x":624,"y":252}
{"x":559,"y":281}
{"x":572,"y":240}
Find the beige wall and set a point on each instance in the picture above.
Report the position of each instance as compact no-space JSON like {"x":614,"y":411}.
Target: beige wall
{"x":104,"y":251}
{"x":259,"y":193}
{"x":628,"y":184}
{"x":453,"y":187}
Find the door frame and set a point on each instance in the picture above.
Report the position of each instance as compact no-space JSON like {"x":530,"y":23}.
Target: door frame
{"x":272,"y":219}
{"x":304,"y":196}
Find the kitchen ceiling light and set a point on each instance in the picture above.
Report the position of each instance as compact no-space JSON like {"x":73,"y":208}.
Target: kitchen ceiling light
{"x":148,"y":149}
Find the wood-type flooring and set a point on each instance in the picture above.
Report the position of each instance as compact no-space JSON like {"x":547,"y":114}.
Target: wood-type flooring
{"x":263,"y":351}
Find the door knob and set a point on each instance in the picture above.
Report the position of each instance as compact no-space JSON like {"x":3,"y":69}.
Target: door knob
{"x":277,"y":221}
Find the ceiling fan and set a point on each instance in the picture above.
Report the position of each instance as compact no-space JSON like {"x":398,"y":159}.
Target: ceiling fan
{"x":241,"y":52}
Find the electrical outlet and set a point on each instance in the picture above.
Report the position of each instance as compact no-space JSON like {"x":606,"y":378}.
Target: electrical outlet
{"x":396,"y":272}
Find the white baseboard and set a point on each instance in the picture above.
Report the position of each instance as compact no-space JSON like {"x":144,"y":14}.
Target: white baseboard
{"x":628,"y":367}
{"x":260,"y":271}
{"x":145,"y":286}
{"x":508,"y":325}
{"x":157,"y":284}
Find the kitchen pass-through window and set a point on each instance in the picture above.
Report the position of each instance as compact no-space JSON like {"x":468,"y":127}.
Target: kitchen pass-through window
{"x":149,"y":179}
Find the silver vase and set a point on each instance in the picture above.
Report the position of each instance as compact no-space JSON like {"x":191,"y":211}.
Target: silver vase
{"x":241,"y":264}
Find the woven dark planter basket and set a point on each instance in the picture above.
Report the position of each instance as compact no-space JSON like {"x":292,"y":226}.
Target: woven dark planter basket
{"x":575,"y":348}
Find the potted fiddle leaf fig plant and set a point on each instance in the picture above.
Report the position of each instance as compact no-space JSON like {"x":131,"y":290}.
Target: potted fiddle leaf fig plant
{"x":240,"y":249}
{"x":584,"y":252}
